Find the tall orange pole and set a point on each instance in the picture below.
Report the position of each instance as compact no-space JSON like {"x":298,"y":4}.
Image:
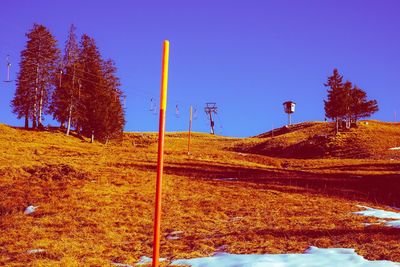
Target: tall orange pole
{"x":190,"y":128}
{"x":160,"y":160}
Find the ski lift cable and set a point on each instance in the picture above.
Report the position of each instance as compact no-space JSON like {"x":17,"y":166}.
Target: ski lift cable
{"x":153,"y":100}
{"x":83,"y":71}
{"x":92,"y":82}
{"x":41,"y":56}
{"x":11,"y":45}
{"x":136,"y":92}
{"x":86,"y":72}
{"x":144,"y":92}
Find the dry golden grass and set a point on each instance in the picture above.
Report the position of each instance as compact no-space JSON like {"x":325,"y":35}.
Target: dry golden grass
{"x":371,"y":139}
{"x":96,"y":201}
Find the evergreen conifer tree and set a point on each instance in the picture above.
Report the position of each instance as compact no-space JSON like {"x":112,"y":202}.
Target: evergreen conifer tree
{"x":332,"y":109}
{"x":100,"y":112}
{"x":360,"y":106}
{"x":65,"y":97}
{"x":345,"y":102}
{"x":36,"y":79}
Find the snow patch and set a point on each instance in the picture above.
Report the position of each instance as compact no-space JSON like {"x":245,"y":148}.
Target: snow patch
{"x":395,"y":224}
{"x":313,"y":257}
{"x":121,"y":264}
{"x":382,"y":214}
{"x":369,"y":224}
{"x":146,"y":260}
{"x":30,"y":209}
{"x":34,"y":251}
{"x":175,"y":235}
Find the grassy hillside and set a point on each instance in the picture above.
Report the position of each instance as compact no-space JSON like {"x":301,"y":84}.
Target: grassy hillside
{"x":95,"y":201}
{"x":371,"y":139}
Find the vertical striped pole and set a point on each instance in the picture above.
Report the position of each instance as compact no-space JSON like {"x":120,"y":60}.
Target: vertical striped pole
{"x":190,"y":128}
{"x":160,"y":160}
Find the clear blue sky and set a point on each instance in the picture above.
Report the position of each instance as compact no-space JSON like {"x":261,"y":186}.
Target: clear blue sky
{"x":248,"y":56}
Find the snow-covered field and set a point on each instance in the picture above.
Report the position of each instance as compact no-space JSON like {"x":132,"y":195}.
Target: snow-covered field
{"x":313,"y":257}
{"x":388,"y":218}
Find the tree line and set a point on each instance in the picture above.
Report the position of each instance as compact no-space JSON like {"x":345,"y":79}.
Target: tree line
{"x":347,"y":103}
{"x":78,"y":87}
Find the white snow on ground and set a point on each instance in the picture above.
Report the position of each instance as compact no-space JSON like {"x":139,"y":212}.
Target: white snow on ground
{"x":30,"y":209}
{"x":313,"y":257}
{"x":375,"y":223}
{"x":395,"y":224}
{"x":146,"y":260}
{"x":142,"y":261}
{"x":175,"y":235}
{"x":33,"y":251}
{"x":121,"y":264}
{"x":382,"y":214}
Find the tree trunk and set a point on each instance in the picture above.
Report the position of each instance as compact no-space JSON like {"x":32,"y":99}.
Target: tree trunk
{"x":337,"y":126}
{"x":71,"y":104}
{"x":34,"y":119}
{"x":69,"y":119}
{"x":34,"y":122}
{"x":78,"y":129}
{"x":34,"y":125}
{"x":92,"y":139}
{"x":26,"y":121}
{"x":40,"y":108}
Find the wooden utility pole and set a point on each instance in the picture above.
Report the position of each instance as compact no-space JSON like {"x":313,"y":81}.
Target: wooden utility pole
{"x":190,"y":128}
{"x":210,"y":109}
{"x":160,"y":159}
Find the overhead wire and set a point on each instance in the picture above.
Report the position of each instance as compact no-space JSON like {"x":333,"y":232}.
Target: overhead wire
{"x":137,"y":91}
{"x":143,"y":92}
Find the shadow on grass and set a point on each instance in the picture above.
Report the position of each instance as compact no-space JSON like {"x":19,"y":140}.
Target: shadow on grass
{"x":389,"y":233}
{"x":372,"y":166}
{"x":384,"y":189}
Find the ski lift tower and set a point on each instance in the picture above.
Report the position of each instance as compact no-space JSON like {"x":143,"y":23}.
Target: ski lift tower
{"x":289,"y":107}
{"x":8,"y":69}
{"x":209,"y":109}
